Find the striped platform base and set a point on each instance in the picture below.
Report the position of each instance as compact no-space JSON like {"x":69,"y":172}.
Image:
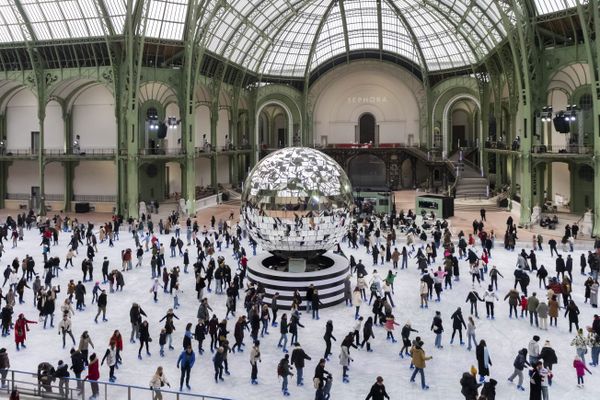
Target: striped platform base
{"x":328,"y":281}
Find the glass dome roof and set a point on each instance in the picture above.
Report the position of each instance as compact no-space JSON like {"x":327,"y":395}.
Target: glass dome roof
{"x":288,"y":37}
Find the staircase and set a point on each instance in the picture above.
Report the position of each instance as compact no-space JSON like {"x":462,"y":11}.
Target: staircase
{"x":470,"y":183}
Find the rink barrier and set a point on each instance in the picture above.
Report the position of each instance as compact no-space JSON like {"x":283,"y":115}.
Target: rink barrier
{"x":329,"y":282}
{"x":30,"y":388}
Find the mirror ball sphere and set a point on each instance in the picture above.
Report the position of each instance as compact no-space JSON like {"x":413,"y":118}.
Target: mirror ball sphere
{"x":297,"y":202}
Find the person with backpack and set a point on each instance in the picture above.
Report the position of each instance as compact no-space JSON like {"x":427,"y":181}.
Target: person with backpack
{"x":284,"y":370}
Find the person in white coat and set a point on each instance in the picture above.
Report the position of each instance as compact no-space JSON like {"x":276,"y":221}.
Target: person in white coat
{"x":158,"y":381}
{"x":64,"y":328}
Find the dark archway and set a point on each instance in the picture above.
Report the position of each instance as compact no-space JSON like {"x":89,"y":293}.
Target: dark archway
{"x":366,"y":127}
{"x":367,"y":171}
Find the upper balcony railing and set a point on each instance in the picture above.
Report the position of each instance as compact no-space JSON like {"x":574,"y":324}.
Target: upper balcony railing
{"x":561,"y":149}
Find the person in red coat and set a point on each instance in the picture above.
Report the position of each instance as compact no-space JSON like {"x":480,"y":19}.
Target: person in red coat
{"x":93,"y":375}
{"x":118,"y":340}
{"x":21,"y":328}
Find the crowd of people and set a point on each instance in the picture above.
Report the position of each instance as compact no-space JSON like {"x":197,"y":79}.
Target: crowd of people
{"x":212,"y":255}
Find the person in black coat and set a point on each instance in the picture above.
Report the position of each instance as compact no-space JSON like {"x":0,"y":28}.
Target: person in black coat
{"x":469,"y":386}
{"x":327,"y":337}
{"x":368,"y":334}
{"x":458,"y":323}
{"x":297,"y":360}
{"x":573,"y":312}
{"x":484,"y":369}
{"x":489,"y":390}
{"x":378,"y":391}
{"x":535,"y":382}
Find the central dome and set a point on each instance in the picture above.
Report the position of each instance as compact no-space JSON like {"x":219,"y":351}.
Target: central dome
{"x":297,"y":202}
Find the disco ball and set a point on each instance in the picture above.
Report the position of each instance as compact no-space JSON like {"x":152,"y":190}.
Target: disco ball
{"x":297,"y":202}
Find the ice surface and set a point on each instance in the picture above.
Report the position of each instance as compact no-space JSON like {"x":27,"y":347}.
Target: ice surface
{"x":504,"y":336}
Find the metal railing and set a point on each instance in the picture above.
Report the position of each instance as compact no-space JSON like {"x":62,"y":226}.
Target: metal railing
{"x":561,"y":149}
{"x":173,"y":151}
{"x":27,"y":383}
{"x":92,"y":198}
{"x":82,"y":152}
{"x":18,"y":152}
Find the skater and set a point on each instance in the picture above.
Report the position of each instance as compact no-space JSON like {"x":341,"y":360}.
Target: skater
{"x":110,"y":356}
{"x":185,"y":362}
{"x":458,"y":323}
{"x":368,"y":334}
{"x":328,"y":337}
{"x":345,"y":361}
{"x":93,"y":376}
{"x":580,"y":369}
{"x":405,"y":334}
{"x":21,"y":329}
{"x":519,"y":364}
{"x":284,"y":370}
{"x":484,"y":362}
{"x":438,"y":329}
{"x":389,"y":327}
{"x":377,"y":391}
{"x":419,"y":359}
{"x":157,"y":382}
{"x":471,"y":333}
{"x":254,"y":360}
{"x":297,"y":360}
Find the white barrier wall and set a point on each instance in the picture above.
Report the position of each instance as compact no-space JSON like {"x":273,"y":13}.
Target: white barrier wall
{"x":202,"y":172}
{"x":94,"y":118}
{"x":95,"y":178}
{"x":54,"y":179}
{"x":21,"y":120}
{"x":54,"y":127}
{"x":202,"y":124}
{"x":22,"y":175}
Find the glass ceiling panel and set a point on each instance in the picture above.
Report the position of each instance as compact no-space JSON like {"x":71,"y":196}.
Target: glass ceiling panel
{"x":551,"y":6}
{"x":65,"y":19}
{"x":10,"y":30}
{"x":166,"y":19}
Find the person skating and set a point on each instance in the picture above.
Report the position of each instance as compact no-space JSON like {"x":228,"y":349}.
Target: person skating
{"x":580,"y":369}
{"x":390,"y":324}
{"x":85,"y":341}
{"x":102,"y":302}
{"x":284,"y":370}
{"x":519,"y":364}
{"x":110,"y":356}
{"x":93,"y":376}
{"x":327,"y":337}
{"x":472,"y":299}
{"x":345,"y":361}
{"x":4,"y":367}
{"x":144,"y":336}
{"x":368,"y":334}
{"x":419,"y":359}
{"x":484,"y":362}
{"x":158,"y":381}
{"x":469,"y":386}
{"x":297,"y":360}
{"x":405,"y":334}
{"x":377,"y":391}
{"x":490,"y":297}
{"x":21,"y":329}
{"x":185,"y":362}
{"x":535,"y":382}
{"x":64,"y":328}
{"x":437,"y":328}
{"x":254,"y":360}
{"x":458,"y":323}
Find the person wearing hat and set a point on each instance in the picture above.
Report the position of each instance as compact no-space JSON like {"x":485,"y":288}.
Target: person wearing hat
{"x":297,"y":360}
{"x":580,"y":344}
{"x":377,"y":391}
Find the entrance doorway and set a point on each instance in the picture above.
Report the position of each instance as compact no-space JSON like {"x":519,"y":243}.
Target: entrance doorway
{"x":35,"y":197}
{"x":35,"y":142}
{"x":366,"y":127}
